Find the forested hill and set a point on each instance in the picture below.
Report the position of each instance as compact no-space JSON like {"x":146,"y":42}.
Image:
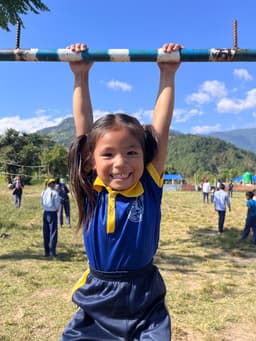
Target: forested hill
{"x":190,"y":154}
{"x":62,"y":133}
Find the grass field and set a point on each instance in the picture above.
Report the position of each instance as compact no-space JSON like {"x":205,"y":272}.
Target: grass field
{"x":210,"y":278}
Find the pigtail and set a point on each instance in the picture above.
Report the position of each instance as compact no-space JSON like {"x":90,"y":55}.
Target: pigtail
{"x":81,"y":179}
{"x":151,"y":143}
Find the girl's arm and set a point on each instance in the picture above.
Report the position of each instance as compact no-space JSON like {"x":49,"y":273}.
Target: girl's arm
{"x":164,"y":105}
{"x":82,"y":107}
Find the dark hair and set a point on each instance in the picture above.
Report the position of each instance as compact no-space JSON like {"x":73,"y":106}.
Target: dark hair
{"x":81,"y":151}
{"x":249,"y":194}
{"x":222,"y":186}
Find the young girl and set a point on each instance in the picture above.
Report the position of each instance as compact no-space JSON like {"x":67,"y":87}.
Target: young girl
{"x":116,"y":172}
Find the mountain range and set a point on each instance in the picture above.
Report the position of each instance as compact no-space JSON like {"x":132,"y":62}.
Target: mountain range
{"x":241,"y":138}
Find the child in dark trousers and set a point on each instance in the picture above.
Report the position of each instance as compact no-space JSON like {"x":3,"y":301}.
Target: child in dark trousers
{"x":63,"y":191}
{"x":116,"y":172}
{"x":17,"y":191}
{"x":50,"y":202}
{"x":250,"y":222}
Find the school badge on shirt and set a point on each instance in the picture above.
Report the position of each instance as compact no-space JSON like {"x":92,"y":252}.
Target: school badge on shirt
{"x":136,"y":210}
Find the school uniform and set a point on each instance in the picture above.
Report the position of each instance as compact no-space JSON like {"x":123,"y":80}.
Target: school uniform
{"x":121,"y":297}
{"x":250,"y":222}
{"x":221,"y":200}
{"x":50,"y":202}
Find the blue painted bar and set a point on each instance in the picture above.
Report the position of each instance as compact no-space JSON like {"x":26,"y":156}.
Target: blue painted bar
{"x":192,"y":55}
{"x":47,"y":55}
{"x":130,"y":55}
{"x":96,"y":56}
{"x":149,"y":55}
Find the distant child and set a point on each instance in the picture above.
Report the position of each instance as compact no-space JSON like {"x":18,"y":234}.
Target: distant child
{"x":230,"y":188}
{"x":17,"y":191}
{"x":221,"y":202}
{"x":50,"y":202}
{"x":63,"y":191}
{"x":116,"y":172}
{"x":206,"y":190}
{"x":250,"y":222}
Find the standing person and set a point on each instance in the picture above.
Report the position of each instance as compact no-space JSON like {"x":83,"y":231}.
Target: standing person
{"x":212,"y":193}
{"x":50,"y":202}
{"x":230,"y":188}
{"x":64,"y":203}
{"x":116,"y":171}
{"x":206,"y":188}
{"x":17,"y":191}
{"x":250,"y":222}
{"x":221,"y":201}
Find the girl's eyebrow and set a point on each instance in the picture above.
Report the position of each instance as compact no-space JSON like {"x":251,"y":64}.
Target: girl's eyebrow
{"x":133,"y":145}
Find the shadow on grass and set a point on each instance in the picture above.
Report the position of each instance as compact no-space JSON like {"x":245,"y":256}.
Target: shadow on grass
{"x":65,"y":254}
{"x":226,"y":242}
{"x":205,"y":240}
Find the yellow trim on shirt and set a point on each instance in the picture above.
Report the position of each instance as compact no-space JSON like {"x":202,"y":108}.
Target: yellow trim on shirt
{"x":81,"y":281}
{"x":159,"y":180}
{"x":111,"y":212}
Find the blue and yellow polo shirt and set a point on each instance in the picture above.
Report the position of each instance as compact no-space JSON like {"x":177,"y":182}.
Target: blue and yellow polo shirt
{"x":124,"y":231}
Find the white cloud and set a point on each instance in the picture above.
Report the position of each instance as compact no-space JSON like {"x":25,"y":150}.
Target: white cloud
{"x":144,"y":116}
{"x":205,"y":129}
{"x":238,"y":105}
{"x":198,"y":97}
{"x":214,"y":88}
{"x":99,"y":113}
{"x":117,"y":85}
{"x":182,"y":115}
{"x":28,"y":125}
{"x":242,"y":74}
{"x":207,"y":91}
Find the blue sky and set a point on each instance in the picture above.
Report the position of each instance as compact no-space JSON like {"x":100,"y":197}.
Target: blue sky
{"x":209,"y":96}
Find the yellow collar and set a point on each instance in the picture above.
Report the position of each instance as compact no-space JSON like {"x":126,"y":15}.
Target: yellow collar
{"x":134,"y":191}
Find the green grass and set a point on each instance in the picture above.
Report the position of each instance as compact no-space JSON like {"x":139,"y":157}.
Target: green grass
{"x":210,"y":278}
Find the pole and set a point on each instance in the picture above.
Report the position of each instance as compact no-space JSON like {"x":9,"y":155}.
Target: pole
{"x":130,"y":55}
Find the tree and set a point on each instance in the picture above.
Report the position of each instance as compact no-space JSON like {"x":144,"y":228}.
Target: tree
{"x":55,"y":161}
{"x":11,"y":11}
{"x":20,"y":153}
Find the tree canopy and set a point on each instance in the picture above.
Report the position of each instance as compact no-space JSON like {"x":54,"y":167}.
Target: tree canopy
{"x":198,"y":156}
{"x":31,"y":155}
{"x":11,"y":11}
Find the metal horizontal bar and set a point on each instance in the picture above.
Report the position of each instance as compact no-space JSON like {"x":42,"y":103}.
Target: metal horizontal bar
{"x":130,"y":55}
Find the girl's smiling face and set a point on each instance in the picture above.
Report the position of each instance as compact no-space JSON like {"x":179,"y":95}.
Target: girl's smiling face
{"x":118,"y":159}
